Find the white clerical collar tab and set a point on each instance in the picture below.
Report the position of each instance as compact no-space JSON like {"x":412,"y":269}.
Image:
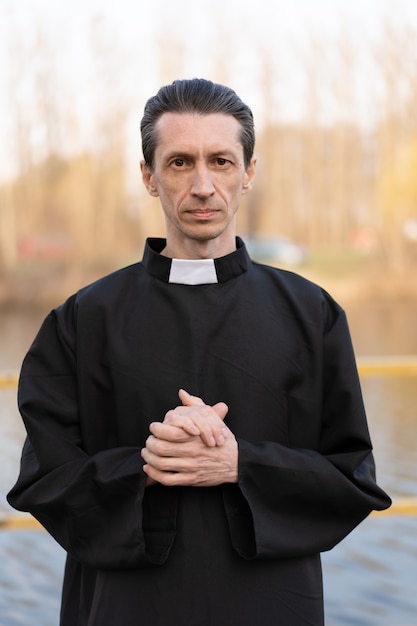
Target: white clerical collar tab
{"x":193,"y":272}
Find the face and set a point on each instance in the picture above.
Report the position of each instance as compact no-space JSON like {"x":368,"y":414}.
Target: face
{"x":199,"y":176}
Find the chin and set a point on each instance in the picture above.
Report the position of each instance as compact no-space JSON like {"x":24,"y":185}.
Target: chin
{"x":206,"y":234}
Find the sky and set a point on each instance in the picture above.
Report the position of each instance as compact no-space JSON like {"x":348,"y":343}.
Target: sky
{"x":126,"y":31}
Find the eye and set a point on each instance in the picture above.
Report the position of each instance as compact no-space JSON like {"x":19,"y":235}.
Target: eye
{"x":178,"y":162}
{"x":222,"y":163}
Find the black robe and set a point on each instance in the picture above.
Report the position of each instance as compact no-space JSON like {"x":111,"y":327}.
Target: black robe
{"x":274,"y":347}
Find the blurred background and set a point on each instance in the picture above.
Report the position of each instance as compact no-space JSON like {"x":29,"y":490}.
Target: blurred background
{"x":333,"y":87}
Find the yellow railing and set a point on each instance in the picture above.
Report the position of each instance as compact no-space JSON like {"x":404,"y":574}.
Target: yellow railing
{"x":367,"y":366}
{"x":19,"y":522}
{"x":8,"y":379}
{"x":393,"y":365}
{"x":404,"y":365}
{"x":400,"y":506}
{"x":10,"y":521}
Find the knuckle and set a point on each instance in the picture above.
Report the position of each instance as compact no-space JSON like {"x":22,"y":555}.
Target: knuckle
{"x":158,"y":447}
{"x":169,"y":478}
{"x":160,"y":464}
{"x":169,"y":416}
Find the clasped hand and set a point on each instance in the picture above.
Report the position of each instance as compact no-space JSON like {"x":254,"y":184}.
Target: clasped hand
{"x":192,"y":446}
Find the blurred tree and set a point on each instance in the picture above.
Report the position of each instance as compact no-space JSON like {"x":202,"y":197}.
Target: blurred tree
{"x":395,"y":188}
{"x":8,"y":230}
{"x":321,"y":175}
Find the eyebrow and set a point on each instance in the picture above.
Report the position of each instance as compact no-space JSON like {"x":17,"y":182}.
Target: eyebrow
{"x":183,"y":154}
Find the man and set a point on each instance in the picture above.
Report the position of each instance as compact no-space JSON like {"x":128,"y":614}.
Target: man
{"x":196,"y":433}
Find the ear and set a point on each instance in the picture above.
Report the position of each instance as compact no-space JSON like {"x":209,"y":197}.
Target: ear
{"x":148,"y":179}
{"x":249,"y":176}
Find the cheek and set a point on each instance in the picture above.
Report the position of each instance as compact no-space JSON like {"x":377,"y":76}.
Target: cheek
{"x":171,"y":200}
{"x":237,"y":191}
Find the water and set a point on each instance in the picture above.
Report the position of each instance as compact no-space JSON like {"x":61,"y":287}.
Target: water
{"x":370,"y":578}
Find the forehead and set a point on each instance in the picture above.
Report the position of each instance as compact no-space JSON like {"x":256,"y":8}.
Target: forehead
{"x":182,"y":132}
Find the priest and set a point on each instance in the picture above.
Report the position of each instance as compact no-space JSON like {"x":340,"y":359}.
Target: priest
{"x":196,"y":434}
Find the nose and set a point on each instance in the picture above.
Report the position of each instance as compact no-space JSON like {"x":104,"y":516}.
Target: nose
{"x":202,"y":183}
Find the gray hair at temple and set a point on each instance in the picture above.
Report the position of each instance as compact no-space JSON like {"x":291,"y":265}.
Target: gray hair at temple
{"x":196,"y":95}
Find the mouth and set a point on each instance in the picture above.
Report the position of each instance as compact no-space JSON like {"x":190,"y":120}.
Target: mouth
{"x":202,"y":214}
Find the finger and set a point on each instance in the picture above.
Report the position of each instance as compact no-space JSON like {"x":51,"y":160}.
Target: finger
{"x":208,"y":423}
{"x":168,"y":479}
{"x":188,"y":400}
{"x":178,"y":418}
{"x":197,"y":420}
{"x":221,"y":409}
{"x":164,"y":448}
{"x":202,"y":467}
{"x":169,"y":463}
{"x":212,"y":433}
{"x":183,"y":430}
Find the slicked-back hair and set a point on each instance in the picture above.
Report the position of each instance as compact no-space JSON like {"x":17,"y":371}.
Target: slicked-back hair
{"x":196,"y":95}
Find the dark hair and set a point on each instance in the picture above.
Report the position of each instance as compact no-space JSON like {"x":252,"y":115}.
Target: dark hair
{"x":196,"y":95}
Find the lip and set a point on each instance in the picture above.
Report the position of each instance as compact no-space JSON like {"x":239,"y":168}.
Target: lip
{"x":203,"y":214}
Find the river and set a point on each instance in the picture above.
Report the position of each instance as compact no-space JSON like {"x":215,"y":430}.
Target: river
{"x":370,"y":579}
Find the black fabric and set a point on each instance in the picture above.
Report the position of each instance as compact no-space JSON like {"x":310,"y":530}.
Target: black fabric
{"x":276,"y":349}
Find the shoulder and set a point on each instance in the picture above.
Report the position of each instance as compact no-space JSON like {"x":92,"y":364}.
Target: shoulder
{"x":287,"y":281}
{"x":304,"y":297}
{"x":110,"y":286}
{"x":101,"y":294}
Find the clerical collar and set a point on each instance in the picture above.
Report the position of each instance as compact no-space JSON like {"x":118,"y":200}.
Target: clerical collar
{"x":196,"y":272}
{"x":193,"y":272}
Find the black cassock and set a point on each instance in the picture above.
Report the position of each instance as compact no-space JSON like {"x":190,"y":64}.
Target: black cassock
{"x":274,"y":347}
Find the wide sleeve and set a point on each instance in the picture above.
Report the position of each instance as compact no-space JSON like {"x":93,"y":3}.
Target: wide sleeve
{"x":291,"y":500}
{"x":94,"y":504}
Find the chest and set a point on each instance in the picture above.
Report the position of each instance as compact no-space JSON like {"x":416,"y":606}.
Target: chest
{"x":245,"y":349}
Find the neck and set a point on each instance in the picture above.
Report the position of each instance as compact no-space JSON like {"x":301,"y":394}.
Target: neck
{"x":193,"y":249}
